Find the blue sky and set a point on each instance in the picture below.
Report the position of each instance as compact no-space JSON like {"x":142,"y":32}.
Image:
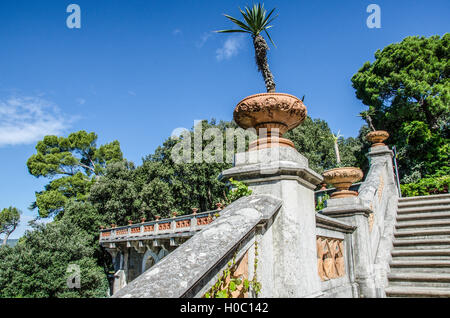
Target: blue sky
{"x":138,"y":69}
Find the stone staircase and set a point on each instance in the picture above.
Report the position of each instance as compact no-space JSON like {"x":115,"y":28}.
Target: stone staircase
{"x":420,"y":265}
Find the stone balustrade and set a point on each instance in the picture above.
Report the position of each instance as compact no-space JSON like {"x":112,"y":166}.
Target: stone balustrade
{"x":186,"y":224}
{"x":340,"y":251}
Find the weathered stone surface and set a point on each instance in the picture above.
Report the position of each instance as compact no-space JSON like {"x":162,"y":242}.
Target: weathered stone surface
{"x":373,"y":214}
{"x":272,"y":164}
{"x":178,"y":272}
{"x":326,"y":222}
{"x":287,"y":262}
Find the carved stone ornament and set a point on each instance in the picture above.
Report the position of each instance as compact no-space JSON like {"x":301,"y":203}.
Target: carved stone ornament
{"x":342,"y":179}
{"x":330,"y":258}
{"x":377,"y":137}
{"x":272,"y":115}
{"x":371,"y":220}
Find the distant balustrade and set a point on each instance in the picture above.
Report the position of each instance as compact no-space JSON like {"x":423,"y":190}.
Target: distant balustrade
{"x":185,"y":223}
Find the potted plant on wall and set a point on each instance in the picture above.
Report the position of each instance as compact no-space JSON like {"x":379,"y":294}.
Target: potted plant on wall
{"x":342,"y":177}
{"x":376,"y":137}
{"x":272,"y":114}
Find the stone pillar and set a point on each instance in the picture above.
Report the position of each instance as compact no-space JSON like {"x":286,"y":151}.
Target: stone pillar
{"x":381,"y":158}
{"x":382,"y":155}
{"x":287,"y":256}
{"x":351,"y":211}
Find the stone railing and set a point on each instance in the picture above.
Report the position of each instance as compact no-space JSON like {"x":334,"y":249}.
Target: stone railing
{"x":192,"y":269}
{"x":373,"y":212}
{"x":380,"y":194}
{"x":179,"y":226}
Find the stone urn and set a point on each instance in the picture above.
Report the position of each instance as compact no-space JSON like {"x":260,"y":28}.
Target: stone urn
{"x":377,"y":137}
{"x":130,"y":222}
{"x":143,"y":219}
{"x":342,"y":179}
{"x":174,"y":214}
{"x":194,"y":211}
{"x":272,"y":115}
{"x":157,"y":217}
{"x":219,"y":206}
{"x":113,"y":226}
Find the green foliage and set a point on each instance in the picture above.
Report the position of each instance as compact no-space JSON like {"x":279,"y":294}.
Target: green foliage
{"x":407,"y":90}
{"x":222,"y":289}
{"x":37,"y":266}
{"x":321,"y":202}
{"x":239,"y":190}
{"x":254,"y":283}
{"x":9,"y":220}
{"x":115,"y":195}
{"x":256,"y":20}
{"x":75,"y":162}
{"x":427,"y":186}
{"x":160,"y":185}
{"x":314,"y":140}
{"x":226,"y":284}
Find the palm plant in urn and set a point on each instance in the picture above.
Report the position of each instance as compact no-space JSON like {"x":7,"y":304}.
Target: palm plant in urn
{"x":342,"y":177}
{"x":272,"y":114}
{"x":376,"y":137}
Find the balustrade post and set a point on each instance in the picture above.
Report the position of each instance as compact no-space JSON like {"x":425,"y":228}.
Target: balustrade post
{"x":194,"y":224}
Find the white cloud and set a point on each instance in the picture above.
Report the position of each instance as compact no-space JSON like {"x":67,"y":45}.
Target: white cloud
{"x":176,"y":32}
{"x":25,"y":120}
{"x":205,"y":37}
{"x":230,"y":48}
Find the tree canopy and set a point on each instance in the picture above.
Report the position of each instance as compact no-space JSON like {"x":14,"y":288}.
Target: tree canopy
{"x":314,"y":139}
{"x":9,"y":220}
{"x":37,"y":266}
{"x":407,"y":90}
{"x":71,"y":163}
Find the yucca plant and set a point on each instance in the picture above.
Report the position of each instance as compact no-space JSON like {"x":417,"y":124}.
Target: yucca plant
{"x":257,"y":21}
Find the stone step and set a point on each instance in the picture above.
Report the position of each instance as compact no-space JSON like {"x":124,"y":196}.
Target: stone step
{"x":422,"y":243}
{"x":409,"y":204}
{"x":422,"y":224}
{"x":426,"y":209}
{"x":423,"y":216}
{"x":419,"y":279}
{"x":424,"y":198}
{"x":403,"y":291}
{"x":422,"y":234}
{"x":423,"y":283}
{"x":420,"y":266}
{"x":422,"y":254}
